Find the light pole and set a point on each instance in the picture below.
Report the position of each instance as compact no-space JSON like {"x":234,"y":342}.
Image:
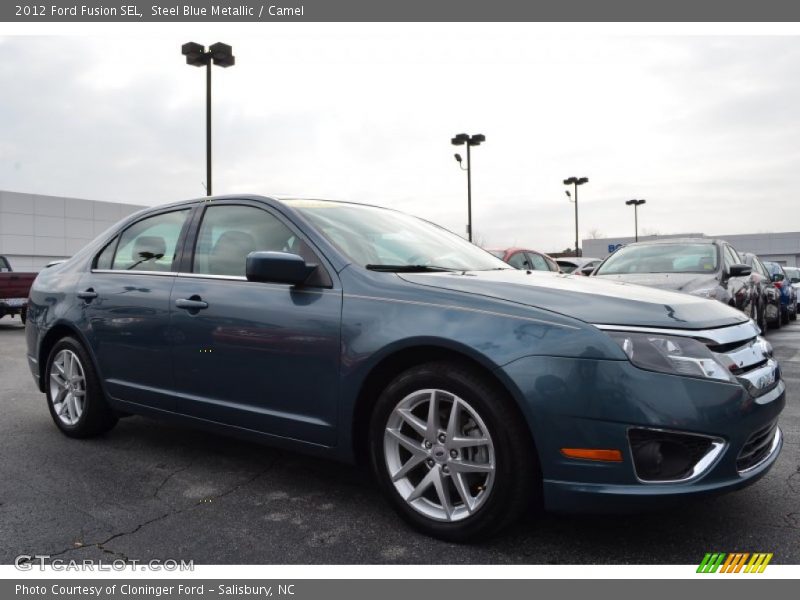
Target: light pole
{"x":576,"y":181}
{"x":469,"y":140}
{"x":197,"y":56}
{"x":635,"y":204}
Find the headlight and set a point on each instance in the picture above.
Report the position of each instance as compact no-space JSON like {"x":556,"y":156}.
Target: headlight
{"x":671,"y":354}
{"x":706,"y":293}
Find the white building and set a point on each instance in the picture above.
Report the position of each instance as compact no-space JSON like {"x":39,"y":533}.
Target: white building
{"x":35,"y":229}
{"x":782,"y":248}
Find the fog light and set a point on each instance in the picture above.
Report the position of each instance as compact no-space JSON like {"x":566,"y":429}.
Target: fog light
{"x":661,"y":456}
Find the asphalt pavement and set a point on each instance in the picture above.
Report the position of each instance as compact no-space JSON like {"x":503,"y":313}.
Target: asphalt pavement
{"x":149,"y":490}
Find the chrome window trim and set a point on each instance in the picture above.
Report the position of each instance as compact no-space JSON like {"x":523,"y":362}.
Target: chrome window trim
{"x":268,"y":286}
{"x":126,"y":272}
{"x":701,"y":467}
{"x":210,"y":276}
{"x":776,"y":444}
{"x":719,"y":335}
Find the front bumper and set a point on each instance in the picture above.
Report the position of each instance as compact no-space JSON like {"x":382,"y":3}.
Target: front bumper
{"x":586,"y":403}
{"x":570,"y":496}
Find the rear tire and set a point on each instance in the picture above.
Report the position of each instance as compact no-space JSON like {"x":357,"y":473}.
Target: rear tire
{"x":784,"y":315}
{"x":459,"y":477}
{"x":74,"y":396}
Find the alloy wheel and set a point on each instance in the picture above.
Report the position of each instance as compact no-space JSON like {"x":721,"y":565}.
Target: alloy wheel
{"x":67,"y":387}
{"x":439,"y":455}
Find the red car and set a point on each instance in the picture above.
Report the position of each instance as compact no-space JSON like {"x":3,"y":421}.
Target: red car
{"x":522,"y":258}
{"x":14,"y":288}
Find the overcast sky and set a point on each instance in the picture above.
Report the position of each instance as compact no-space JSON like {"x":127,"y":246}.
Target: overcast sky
{"x":705,"y":128}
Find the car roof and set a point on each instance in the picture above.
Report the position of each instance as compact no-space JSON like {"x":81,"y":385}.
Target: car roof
{"x":262,"y":198}
{"x":514,"y":249}
{"x":678,"y":240}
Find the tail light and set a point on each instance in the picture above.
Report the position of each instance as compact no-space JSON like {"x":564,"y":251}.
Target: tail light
{"x":779,"y":284}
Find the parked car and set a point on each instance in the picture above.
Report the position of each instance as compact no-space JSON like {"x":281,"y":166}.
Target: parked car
{"x":522,"y":258}
{"x":578,"y":265}
{"x":767,"y":296}
{"x":788,"y":292}
{"x":475,"y":391}
{"x":14,"y":288}
{"x":703,"y":267}
{"x":793,"y":273}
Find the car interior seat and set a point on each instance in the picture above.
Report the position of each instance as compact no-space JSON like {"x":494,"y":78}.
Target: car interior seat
{"x":229,"y":254}
{"x":148,"y":250}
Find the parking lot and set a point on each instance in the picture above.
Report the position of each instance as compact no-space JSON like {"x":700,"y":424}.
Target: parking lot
{"x":149,"y":490}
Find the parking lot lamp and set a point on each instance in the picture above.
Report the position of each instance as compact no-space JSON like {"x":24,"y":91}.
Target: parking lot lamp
{"x":576,"y":181}
{"x":197,"y":56}
{"x":635,"y":204}
{"x":470,"y":140}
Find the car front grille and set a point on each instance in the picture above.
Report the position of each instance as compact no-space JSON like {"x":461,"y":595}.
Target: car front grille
{"x":751,"y":362}
{"x":757,"y":448}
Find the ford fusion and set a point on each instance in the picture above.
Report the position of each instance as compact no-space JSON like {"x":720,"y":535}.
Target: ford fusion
{"x":475,"y":391}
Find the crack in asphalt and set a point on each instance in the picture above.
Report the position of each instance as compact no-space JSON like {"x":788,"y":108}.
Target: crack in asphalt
{"x":793,"y":481}
{"x":102,"y":545}
{"x":170,"y":476}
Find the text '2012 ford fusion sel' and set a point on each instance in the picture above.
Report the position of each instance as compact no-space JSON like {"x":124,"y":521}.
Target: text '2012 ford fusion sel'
{"x":476,"y":391}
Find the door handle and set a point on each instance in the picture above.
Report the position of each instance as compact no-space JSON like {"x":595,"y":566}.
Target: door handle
{"x":193,"y":303}
{"x":87,"y":295}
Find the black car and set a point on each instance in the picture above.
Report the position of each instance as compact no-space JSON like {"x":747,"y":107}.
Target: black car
{"x":768,"y":296}
{"x":707,"y":268}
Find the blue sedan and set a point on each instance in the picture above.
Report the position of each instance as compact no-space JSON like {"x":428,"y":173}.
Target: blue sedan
{"x":787,"y":291}
{"x":475,"y":391}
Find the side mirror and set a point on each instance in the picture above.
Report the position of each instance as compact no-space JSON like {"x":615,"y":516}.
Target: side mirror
{"x":587,"y":270}
{"x":739,"y":270}
{"x":777,"y":277}
{"x":278,"y":267}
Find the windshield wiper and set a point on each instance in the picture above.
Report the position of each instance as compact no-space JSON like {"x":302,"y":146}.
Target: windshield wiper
{"x":409,"y":268}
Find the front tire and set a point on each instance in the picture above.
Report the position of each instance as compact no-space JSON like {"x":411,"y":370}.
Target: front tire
{"x":74,"y":396}
{"x":452,"y":454}
{"x":776,"y":324}
{"x":762,"y":321}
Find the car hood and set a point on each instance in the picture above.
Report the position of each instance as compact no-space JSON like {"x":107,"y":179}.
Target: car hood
{"x":589,"y":299}
{"x":679,"y":282}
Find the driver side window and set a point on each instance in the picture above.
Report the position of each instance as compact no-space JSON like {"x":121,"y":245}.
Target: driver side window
{"x":229,"y":232}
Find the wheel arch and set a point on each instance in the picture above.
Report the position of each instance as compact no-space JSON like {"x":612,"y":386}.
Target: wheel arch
{"x":57,"y":332}
{"x":402,"y":359}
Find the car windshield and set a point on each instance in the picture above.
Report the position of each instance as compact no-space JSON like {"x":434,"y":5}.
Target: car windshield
{"x":384,"y":239}
{"x":793,"y":273}
{"x":661,"y":258}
